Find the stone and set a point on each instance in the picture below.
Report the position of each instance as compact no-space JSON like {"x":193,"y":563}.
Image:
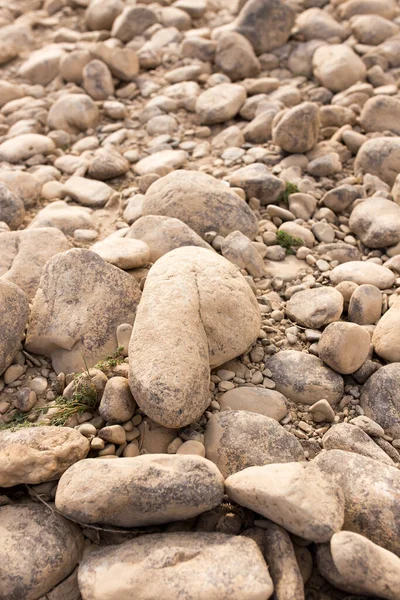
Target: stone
{"x":107,"y":164}
{"x":152,"y":481}
{"x":269,"y":403}
{"x":370,"y":487}
{"x":17,"y":249}
{"x":73,"y":113}
{"x":257,"y":180}
{"x":9,"y":91}
{"x":296,"y":129}
{"x":344,"y":346}
{"x":237,"y":439}
{"x":350,"y":438}
{"x":192,"y":447}
{"x":87,"y":192}
{"x":41,"y":67}
{"x":113,"y":434}
{"x":365,"y":305}
{"x":22,"y":147}
{"x":380,"y":398}
{"x":298,"y":231}
{"x":40,"y":548}
{"x":326,"y":165}
{"x":303,"y":378}
{"x":337,"y":67}
{"x":209,"y":328}
{"x":376,"y":221}
{"x":101,"y":14}
{"x":295,"y":495}
{"x":302,"y":205}
{"x":58,"y":326}
{"x":33,"y":455}
{"x":126,"y":569}
{"x":379,"y":156}
{"x":125,"y":253}
{"x":363,"y":272}
{"x":376,"y":573}
{"x":202,"y":202}
{"x":124,"y":332}
{"x":315,"y":23}
{"x":122,"y":62}
{"x":322,"y":412}
{"x":357,"y":7}
{"x":381,"y":113}
{"x":133,"y":21}
{"x":162,"y":234}
{"x":71,"y":65}
{"x":235,"y":57}
{"x":341,"y":197}
{"x":12,"y":210}
{"x":97,"y":80}
{"x":266,"y":24}
{"x":23,"y":185}
{"x":117,"y":404}
{"x":161,"y":162}
{"x":239,"y":250}
{"x":13,"y":318}
{"x":62,"y":216}
{"x":219,"y":103}
{"x":316,"y":307}
{"x":384,"y":337}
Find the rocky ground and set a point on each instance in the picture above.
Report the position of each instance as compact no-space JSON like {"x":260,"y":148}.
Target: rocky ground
{"x":199,"y":299}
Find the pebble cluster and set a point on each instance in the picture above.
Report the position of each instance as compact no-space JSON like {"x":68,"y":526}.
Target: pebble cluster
{"x":199,"y":299}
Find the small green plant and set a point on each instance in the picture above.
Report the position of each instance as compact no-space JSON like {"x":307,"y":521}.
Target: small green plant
{"x":111,"y":361}
{"x":287,"y":241}
{"x":291,"y":188}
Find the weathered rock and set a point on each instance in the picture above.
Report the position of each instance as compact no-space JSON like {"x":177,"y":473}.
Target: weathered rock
{"x":337,"y":67}
{"x":350,"y":438}
{"x":88,"y":192}
{"x":101,"y":14}
{"x":220,"y":103}
{"x":202,"y":202}
{"x":376,"y":222}
{"x":125,"y":253}
{"x":344,"y":346}
{"x":12,"y":209}
{"x":237,"y":439}
{"x":17,"y":249}
{"x":374,"y":7}
{"x":269,"y":403}
{"x":161,"y":162}
{"x":380,"y":157}
{"x":365,"y":305}
{"x":266,"y":24}
{"x":97,"y":80}
{"x":315,"y":23}
{"x":37,"y":454}
{"x":315,"y":308}
{"x":73,"y":113}
{"x":297,"y":496}
{"x":218,"y":563}
{"x":372,"y":29}
{"x":133,"y":21}
{"x":40,"y":548}
{"x":41,"y":67}
{"x":62,"y":216}
{"x":381,"y":113}
{"x":298,"y":231}
{"x":209,"y":328}
{"x":235,"y":57}
{"x":341,"y":197}
{"x":370,"y":488}
{"x":22,"y":147}
{"x":239,"y":250}
{"x":380,"y":398}
{"x":363,"y":272}
{"x":13,"y":317}
{"x":374,"y":571}
{"x":304,"y":378}
{"x":108,"y":163}
{"x":258,"y":181}
{"x":122,"y":62}
{"x":58,"y":325}
{"x":296,"y":130}
{"x":162,"y":234}
{"x":23,"y":185}
{"x":322,"y":411}
{"x":72,"y":65}
{"x":339,"y":251}
{"x":153,"y":482}
{"x":117,"y":404}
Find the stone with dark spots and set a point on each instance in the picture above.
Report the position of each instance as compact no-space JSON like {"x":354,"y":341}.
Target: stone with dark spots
{"x":339,"y":251}
{"x":37,"y":454}
{"x":38,"y":549}
{"x":23,"y":255}
{"x":237,"y":439}
{"x":79,"y":304}
{"x":12,"y":210}
{"x":376,"y":222}
{"x":350,"y":438}
{"x":305,"y":378}
{"x":202,"y":202}
{"x":146,"y":490}
{"x":381,"y":157}
{"x":197,"y":311}
{"x":14,"y":310}
{"x":353,"y":563}
{"x":315,"y":307}
{"x":269,"y":403}
{"x":257,"y":180}
{"x":380,"y":398}
{"x":371,"y":491}
{"x":204,"y":566}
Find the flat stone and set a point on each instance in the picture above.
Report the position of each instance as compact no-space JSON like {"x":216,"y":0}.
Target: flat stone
{"x":22,"y":147}
{"x":152,"y":481}
{"x":125,"y":253}
{"x":363,"y":272}
{"x":258,"y":181}
{"x":88,"y":192}
{"x":219,"y":103}
{"x":161,"y":162}
{"x":62,"y":216}
{"x":316,"y":307}
{"x":269,"y":403}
